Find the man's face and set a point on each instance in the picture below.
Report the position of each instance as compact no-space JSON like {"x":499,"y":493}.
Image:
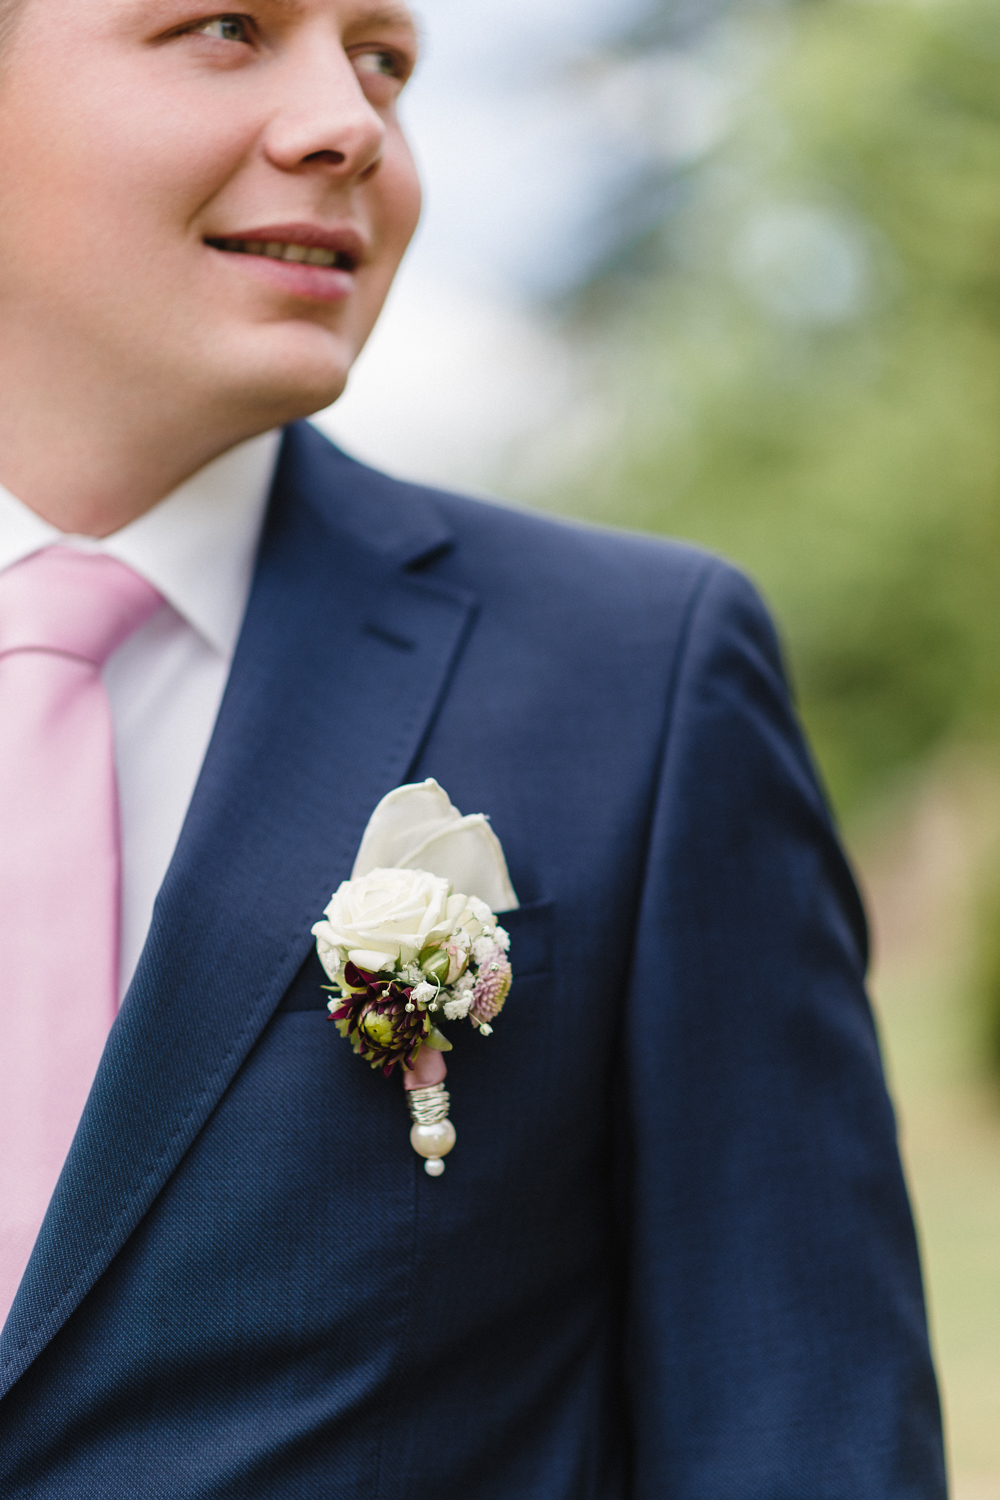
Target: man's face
{"x":157,"y":155}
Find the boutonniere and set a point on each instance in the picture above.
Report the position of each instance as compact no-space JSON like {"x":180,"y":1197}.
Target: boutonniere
{"x":412,"y":941}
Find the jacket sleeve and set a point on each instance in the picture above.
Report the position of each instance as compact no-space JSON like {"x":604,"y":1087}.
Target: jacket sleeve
{"x":776,"y":1337}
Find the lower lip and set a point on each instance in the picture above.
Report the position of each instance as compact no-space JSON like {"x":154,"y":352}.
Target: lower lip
{"x":311,"y":283}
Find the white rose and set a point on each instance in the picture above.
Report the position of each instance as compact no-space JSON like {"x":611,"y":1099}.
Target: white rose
{"x":469,"y":928}
{"x":482,"y":914}
{"x":385,"y":918}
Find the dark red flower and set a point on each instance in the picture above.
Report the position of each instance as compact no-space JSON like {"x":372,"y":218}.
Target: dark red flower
{"x":376,"y":1021}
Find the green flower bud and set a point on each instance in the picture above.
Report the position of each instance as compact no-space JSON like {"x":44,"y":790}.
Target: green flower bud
{"x":436,"y":965}
{"x":377,"y":1029}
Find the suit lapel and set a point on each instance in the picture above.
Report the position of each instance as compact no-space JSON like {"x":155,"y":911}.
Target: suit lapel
{"x":342,"y":660}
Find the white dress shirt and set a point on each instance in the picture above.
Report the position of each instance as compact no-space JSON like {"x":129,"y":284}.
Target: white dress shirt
{"x":197,"y":547}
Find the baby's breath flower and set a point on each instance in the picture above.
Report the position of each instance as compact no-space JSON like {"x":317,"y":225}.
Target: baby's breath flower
{"x":458,"y":1009}
{"x":423,"y":993}
{"x":482,"y":948}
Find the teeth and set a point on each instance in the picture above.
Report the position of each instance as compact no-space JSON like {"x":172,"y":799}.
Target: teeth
{"x":310,"y":255}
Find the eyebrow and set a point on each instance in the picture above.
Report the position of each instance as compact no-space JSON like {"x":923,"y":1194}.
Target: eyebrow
{"x":386,"y":15}
{"x":389,"y":15}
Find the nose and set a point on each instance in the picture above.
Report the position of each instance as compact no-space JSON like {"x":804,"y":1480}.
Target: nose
{"x":323,"y":121}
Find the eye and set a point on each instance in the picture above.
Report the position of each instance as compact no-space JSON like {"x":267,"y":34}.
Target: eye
{"x":386,"y":64}
{"x":226,"y":29}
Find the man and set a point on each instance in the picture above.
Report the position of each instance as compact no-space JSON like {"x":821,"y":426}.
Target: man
{"x":672,"y":1255}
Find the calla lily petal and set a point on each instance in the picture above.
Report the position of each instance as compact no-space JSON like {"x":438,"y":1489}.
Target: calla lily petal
{"x":403,"y":819}
{"x":469,"y":855}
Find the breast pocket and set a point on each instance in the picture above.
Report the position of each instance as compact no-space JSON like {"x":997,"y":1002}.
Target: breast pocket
{"x":531,"y":953}
{"x":532,"y":945}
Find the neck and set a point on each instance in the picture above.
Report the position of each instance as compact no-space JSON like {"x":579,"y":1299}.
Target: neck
{"x":91,"y":464}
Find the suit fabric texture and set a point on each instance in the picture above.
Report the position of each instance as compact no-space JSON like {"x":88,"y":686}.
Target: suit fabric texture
{"x":671,"y":1257}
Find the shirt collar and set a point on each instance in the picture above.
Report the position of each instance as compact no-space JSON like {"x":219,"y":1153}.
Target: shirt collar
{"x":197,"y":546}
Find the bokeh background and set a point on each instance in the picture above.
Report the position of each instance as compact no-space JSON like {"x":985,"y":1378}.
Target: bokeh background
{"x":732,"y":272}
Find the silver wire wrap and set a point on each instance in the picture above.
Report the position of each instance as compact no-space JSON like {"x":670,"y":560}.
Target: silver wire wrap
{"x":430,"y":1105}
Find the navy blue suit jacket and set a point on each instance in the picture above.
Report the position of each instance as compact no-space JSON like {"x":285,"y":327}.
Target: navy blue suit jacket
{"x":671,"y":1257}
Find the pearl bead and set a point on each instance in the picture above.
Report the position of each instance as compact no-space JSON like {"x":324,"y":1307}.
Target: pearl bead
{"x":434,"y":1166}
{"x":433,"y":1140}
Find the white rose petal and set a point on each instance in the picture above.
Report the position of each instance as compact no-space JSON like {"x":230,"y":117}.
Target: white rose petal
{"x":386,"y":917}
{"x":458,"y":905}
{"x":330,"y":955}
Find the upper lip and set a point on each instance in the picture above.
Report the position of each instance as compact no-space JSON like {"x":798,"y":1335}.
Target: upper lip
{"x":342,"y":239}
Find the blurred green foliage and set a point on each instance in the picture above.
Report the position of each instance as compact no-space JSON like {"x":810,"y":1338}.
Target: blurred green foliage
{"x":803,"y":363}
{"x":987,"y":977}
{"x":803,"y":369}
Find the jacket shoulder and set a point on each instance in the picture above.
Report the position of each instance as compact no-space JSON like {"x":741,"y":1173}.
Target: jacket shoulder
{"x":522,"y":555}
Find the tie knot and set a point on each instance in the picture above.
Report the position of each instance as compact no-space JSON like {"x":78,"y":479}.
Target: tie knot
{"x":81,"y":604}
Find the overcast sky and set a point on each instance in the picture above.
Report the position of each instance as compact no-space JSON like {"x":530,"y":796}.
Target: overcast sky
{"x":516,"y":161}
{"x":528,"y":146}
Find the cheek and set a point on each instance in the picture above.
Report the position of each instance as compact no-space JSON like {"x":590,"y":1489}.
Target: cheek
{"x":398,"y":188}
{"x":114,"y":173}
{"x":393,"y":209}
{"x":142,"y":178}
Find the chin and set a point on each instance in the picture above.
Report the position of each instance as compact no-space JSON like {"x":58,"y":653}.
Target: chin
{"x":290,"y":399}
{"x":288,"y":395}
{"x":281,"y":381}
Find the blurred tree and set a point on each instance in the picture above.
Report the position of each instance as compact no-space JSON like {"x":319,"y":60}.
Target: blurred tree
{"x":803,"y":360}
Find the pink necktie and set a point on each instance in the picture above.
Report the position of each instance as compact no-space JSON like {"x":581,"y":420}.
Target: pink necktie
{"x":62,"y":614}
